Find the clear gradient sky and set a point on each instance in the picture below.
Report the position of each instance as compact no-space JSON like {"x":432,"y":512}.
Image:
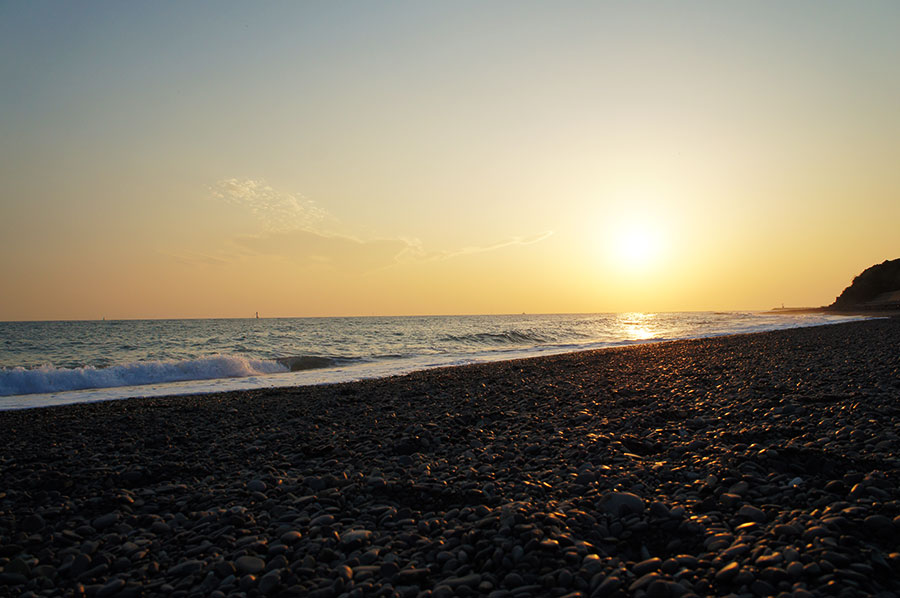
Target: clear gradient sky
{"x":207,"y":159}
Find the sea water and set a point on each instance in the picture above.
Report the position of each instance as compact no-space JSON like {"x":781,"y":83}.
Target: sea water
{"x":52,"y":363}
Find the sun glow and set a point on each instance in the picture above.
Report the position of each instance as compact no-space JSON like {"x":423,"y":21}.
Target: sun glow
{"x":636,"y":245}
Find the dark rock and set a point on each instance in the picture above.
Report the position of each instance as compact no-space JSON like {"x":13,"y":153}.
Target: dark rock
{"x":111,"y":588}
{"x":269,"y":582}
{"x":12,"y":579}
{"x":356,"y":538}
{"x":185,"y":568}
{"x":105,"y":521}
{"x":249,"y":564}
{"x":728,"y":572}
{"x":622,"y":503}
{"x":411,"y":576}
{"x":646,"y":566}
{"x":644,"y":581}
{"x":752,"y":513}
{"x":513,"y":580}
{"x":879,"y":525}
{"x":762,"y":588}
{"x":33,"y":523}
{"x":471,"y":580}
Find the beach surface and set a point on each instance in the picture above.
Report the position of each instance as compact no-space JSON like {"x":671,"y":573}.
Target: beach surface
{"x":762,"y":464}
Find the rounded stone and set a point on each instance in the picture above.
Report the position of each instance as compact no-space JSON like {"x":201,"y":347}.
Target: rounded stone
{"x":728,"y":572}
{"x":105,"y":521}
{"x":111,"y":588}
{"x":513,"y":580}
{"x":291,"y":537}
{"x":356,"y":537}
{"x":623,"y":503}
{"x":270,"y":581}
{"x":752,"y":513}
{"x":250,"y":564}
{"x":644,"y":567}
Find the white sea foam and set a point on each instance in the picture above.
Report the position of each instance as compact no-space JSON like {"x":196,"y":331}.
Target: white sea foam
{"x":47,"y":378}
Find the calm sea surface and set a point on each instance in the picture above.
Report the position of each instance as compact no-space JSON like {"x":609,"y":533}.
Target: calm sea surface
{"x":51,"y":363}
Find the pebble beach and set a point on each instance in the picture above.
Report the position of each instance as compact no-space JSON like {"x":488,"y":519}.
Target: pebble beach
{"x":754,"y":465}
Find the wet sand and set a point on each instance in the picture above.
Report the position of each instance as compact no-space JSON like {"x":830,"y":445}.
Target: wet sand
{"x":763,"y":464}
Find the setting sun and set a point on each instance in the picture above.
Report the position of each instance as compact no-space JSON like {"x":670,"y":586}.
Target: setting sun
{"x":637,"y":246}
{"x":634,"y":244}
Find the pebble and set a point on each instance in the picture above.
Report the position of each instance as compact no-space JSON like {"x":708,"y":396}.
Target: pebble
{"x":513,"y":580}
{"x":291,"y":537}
{"x":644,"y":567}
{"x":752,"y":513}
{"x":249,"y":564}
{"x":105,"y":521}
{"x":643,"y":581}
{"x":728,"y":572}
{"x":111,"y":588}
{"x":185,"y":568}
{"x":356,"y":538}
{"x":269,"y":582}
{"x":623,"y":503}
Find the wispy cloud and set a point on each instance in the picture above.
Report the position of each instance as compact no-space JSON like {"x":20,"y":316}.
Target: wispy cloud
{"x":518,"y":240}
{"x":277,"y":211}
{"x":335,"y":252}
{"x":293,"y":231}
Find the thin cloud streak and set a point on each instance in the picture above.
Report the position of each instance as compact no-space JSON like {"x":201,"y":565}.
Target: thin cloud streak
{"x":518,"y":240}
{"x":276,"y":210}
{"x":312,"y":249}
{"x":293,"y":232}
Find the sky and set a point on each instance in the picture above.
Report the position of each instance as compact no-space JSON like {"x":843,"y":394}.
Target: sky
{"x":218,"y":159}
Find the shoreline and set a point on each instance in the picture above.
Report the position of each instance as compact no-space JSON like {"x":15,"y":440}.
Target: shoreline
{"x":875,"y":312}
{"x":156,"y":383}
{"x":744,"y":463}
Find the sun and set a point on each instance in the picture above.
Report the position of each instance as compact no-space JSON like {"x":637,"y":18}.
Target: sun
{"x":636,"y":245}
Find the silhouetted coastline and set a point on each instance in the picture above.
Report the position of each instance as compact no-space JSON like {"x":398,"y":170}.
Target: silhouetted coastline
{"x":873,"y":292}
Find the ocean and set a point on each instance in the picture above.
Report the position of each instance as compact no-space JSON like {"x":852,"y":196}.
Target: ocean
{"x":54,"y":363}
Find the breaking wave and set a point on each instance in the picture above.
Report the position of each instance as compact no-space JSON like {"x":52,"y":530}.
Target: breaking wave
{"x":506,"y":337}
{"x":314,"y":362}
{"x":47,"y":378}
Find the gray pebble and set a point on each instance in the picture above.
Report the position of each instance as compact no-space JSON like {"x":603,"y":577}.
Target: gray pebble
{"x":249,"y":564}
{"x":623,"y":503}
{"x":105,"y":521}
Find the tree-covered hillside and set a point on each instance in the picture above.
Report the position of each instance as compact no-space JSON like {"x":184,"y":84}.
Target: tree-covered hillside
{"x":871,"y":284}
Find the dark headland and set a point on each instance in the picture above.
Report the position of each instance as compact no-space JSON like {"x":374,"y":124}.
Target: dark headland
{"x":755,"y":465}
{"x":874,"y":291}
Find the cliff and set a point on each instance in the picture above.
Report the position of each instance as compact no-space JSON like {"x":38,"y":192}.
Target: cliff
{"x":875,"y":288}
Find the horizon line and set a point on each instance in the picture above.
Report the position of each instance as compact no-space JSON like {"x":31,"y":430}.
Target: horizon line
{"x":421,"y":315}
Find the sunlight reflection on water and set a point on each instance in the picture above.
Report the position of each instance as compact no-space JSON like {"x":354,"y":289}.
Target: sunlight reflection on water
{"x":637,"y":326}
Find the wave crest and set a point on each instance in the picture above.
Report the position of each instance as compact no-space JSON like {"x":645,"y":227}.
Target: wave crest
{"x":506,"y":337}
{"x":307,"y":362}
{"x":47,"y":378}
